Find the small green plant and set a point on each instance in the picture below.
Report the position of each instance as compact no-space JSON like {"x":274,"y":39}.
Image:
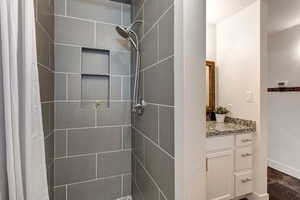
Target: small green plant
{"x":221,"y":110}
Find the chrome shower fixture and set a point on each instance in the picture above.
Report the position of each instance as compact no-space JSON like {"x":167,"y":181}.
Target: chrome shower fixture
{"x":125,"y":31}
{"x":129,"y":34}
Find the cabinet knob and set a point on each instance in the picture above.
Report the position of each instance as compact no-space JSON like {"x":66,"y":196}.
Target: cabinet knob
{"x":246,"y":155}
{"x":246,"y":180}
{"x":246,"y":140}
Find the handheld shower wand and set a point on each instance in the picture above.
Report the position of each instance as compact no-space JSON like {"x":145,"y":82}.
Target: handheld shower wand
{"x":132,"y":37}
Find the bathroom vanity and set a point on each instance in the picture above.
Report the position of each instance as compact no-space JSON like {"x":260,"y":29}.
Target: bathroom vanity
{"x":229,"y":159}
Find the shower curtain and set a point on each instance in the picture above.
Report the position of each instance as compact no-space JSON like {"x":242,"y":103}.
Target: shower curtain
{"x":22,"y":153}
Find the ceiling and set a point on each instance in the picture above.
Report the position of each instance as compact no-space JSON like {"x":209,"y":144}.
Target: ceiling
{"x":283,"y":15}
{"x":220,"y":9}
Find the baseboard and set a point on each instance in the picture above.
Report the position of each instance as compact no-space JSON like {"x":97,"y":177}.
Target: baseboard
{"x":284,"y":168}
{"x":256,"y":196}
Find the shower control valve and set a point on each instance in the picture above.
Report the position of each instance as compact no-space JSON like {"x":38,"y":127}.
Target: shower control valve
{"x":139,"y":107}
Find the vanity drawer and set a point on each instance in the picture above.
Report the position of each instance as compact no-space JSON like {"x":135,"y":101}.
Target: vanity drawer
{"x":243,"y":158}
{"x":219,"y":143}
{"x":243,"y":183}
{"x":244,"y":139}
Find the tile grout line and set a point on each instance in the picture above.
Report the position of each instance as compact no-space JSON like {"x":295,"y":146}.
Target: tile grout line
{"x":143,"y":84}
{"x":109,"y":79}
{"x":46,"y":102}
{"x":122,"y":79}
{"x":96,"y":117}
{"x":158,"y":133}
{"x":122,"y":11}
{"x":82,"y":46}
{"x":93,"y":127}
{"x":67,"y":192}
{"x":77,"y":73}
{"x":122,"y":138}
{"x":143,"y":25}
{"x":96,"y":165}
{"x":67,"y":137}
{"x":138,"y":187}
{"x":154,"y":143}
{"x":161,"y":105}
{"x":95,"y":34}
{"x":49,"y":54}
{"x":67,"y":87}
{"x":88,"y":101}
{"x":86,"y":20}
{"x":45,"y":31}
{"x":36,"y":10}
{"x":91,"y":154}
{"x":157,"y":63}
{"x":91,"y":180}
{"x":65,"y":8}
{"x":157,"y":42}
{"x":49,"y":119}
{"x":45,"y":67}
{"x":157,"y":22}
{"x":139,"y":10}
{"x":122,"y":184}
{"x":150,"y":176}
{"x":48,"y":135}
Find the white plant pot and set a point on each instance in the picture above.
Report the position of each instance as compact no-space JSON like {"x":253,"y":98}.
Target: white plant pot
{"x":220,"y":118}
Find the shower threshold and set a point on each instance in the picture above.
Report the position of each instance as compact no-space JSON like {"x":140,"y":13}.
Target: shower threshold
{"x":125,"y":198}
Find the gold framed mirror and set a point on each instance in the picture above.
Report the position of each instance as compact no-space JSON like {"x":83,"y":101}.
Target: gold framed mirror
{"x":210,"y":85}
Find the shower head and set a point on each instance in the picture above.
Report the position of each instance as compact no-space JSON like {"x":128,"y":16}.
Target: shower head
{"x":123,"y":31}
{"x":127,"y":33}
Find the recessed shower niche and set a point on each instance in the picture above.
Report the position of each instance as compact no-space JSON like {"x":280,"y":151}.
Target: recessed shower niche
{"x":95,"y":75}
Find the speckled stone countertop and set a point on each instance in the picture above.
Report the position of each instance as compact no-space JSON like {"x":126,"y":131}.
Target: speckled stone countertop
{"x":231,"y":126}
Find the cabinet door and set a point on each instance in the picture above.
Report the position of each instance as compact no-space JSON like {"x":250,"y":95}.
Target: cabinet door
{"x":220,"y":179}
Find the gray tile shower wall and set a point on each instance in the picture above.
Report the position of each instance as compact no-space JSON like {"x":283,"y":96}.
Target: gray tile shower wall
{"x":92,"y":158}
{"x":153,"y":156}
{"x":44,"y":20}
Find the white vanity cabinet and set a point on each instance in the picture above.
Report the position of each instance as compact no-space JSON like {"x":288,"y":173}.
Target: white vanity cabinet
{"x":229,"y":166}
{"x":220,"y":179}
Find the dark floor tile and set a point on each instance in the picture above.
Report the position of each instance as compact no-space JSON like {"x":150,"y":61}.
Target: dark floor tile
{"x":282,"y":192}
{"x":273,"y":198}
{"x":282,"y":186}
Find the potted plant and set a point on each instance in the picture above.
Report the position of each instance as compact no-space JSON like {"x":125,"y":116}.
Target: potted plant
{"x":221,"y":113}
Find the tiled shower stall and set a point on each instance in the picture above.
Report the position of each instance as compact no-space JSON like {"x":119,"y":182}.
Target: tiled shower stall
{"x":92,"y":101}
{"x":153,"y":133}
{"x":95,"y":147}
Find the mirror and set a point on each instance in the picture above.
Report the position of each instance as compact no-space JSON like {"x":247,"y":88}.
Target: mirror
{"x":210,"y":85}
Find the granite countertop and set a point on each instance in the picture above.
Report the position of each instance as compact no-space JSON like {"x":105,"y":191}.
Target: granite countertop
{"x":229,"y":127}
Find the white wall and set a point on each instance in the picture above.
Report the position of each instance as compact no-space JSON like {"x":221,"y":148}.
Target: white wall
{"x":284,"y":108}
{"x":190,"y":129}
{"x":211,"y":42}
{"x":238,"y":61}
{"x":283,"y":15}
{"x":242,"y":75}
{"x":284,"y":57}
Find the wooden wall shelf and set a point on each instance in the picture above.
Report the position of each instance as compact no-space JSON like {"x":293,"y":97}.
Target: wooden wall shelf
{"x":284,"y":89}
